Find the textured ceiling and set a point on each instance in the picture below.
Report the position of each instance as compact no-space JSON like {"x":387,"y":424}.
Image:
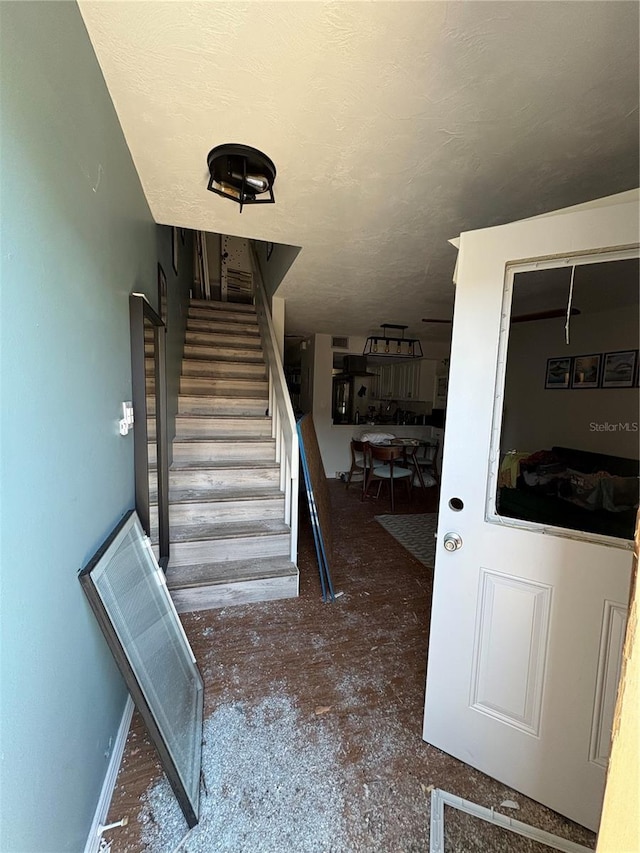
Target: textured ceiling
{"x":393,"y":125}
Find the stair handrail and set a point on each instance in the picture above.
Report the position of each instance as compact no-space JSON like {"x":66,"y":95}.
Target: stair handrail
{"x":283,"y":421}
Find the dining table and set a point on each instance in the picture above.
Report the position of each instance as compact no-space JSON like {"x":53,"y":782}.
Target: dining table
{"x":411,"y":447}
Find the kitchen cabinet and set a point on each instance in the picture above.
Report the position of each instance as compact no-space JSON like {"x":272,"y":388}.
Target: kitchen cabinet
{"x":384,"y":385}
{"x":405,"y":381}
{"x":427,"y":378}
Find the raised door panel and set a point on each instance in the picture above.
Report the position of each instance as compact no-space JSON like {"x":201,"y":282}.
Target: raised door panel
{"x":510,"y":649}
{"x":614,"y":623}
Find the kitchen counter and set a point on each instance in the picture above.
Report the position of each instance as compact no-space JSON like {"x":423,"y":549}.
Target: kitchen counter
{"x":399,"y":430}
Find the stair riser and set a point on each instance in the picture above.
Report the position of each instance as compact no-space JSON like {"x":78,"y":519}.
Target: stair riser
{"x":226,"y":511}
{"x":227,"y":594}
{"x":210,"y":451}
{"x":240,"y":406}
{"x":196,"y":351}
{"x":225,"y":479}
{"x":219,"y":327}
{"x":220,"y":427}
{"x":222,"y":550}
{"x":213,"y":305}
{"x":216,"y":316}
{"x":200,"y":385}
{"x":222,"y":340}
{"x":218,"y":369}
{"x":215,"y":428}
{"x":223,"y":369}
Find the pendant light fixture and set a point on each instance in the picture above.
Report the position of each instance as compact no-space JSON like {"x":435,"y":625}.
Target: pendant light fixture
{"x":392,"y":344}
{"x":241,"y":173}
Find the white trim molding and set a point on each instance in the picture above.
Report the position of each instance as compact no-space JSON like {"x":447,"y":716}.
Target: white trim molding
{"x":440,"y":799}
{"x":106,"y":793}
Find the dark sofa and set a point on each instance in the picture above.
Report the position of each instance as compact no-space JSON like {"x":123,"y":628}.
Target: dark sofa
{"x":553,"y":501}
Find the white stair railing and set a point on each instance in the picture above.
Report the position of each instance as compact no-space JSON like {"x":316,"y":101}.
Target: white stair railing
{"x":283,"y":422}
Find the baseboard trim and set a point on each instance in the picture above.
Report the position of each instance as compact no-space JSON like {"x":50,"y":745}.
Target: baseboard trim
{"x":104,"y":801}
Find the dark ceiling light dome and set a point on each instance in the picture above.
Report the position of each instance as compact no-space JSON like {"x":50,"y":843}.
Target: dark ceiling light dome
{"x":241,"y":173}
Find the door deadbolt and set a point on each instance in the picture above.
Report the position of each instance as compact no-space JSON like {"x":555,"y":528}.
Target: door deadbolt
{"x":452,"y":542}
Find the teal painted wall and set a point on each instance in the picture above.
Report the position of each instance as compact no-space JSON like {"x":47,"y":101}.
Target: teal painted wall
{"x":77,"y":237}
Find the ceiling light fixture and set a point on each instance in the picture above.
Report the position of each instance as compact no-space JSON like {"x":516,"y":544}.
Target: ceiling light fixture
{"x":379,"y":345}
{"x":240,"y":173}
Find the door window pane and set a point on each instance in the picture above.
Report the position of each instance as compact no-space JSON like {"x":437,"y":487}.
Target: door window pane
{"x":569,"y":438}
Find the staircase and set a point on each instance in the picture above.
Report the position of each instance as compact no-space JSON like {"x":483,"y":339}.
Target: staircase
{"x":229,"y":540}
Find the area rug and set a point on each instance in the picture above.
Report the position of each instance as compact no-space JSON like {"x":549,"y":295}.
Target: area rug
{"x":416,"y":533}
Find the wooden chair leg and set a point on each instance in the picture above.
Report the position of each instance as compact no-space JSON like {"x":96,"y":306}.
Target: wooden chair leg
{"x":365,"y":489}
{"x":365,"y":474}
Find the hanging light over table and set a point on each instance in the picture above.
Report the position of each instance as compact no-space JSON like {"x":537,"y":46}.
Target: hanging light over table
{"x":241,"y":173}
{"x":392,"y":344}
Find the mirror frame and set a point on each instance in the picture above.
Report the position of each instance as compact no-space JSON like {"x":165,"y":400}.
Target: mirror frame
{"x":139,"y":310}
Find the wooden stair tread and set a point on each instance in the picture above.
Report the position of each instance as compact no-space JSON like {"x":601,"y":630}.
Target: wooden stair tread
{"x":249,"y":318}
{"x":224,"y":370}
{"x":249,"y":380}
{"x":206,"y":337}
{"x":223,"y":362}
{"x":235,"y":438}
{"x":253,"y":342}
{"x":242,"y":393}
{"x":200,"y":465}
{"x":234,"y":394}
{"x":232,"y":355}
{"x":265,"y":418}
{"x":204,"y":574}
{"x":214,"y":325}
{"x":228,"y":316}
{"x":186,"y":495}
{"x":228,"y":530}
{"x":236,"y":331}
{"x":242,"y":307}
{"x":226,"y":396}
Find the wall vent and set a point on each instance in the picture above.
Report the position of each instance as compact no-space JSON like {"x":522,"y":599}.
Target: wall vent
{"x":340,"y":343}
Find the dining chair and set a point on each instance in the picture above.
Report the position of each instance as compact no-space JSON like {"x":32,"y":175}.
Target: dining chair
{"x":385,"y":467}
{"x":359,"y":462}
{"x":426,"y":459}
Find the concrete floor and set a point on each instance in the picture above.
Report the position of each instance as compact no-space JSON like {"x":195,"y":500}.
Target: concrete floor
{"x":314,"y":713}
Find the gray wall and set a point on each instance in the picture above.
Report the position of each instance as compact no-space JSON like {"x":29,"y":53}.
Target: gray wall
{"x":274,"y":269}
{"x":77,"y":238}
{"x":537,"y":418}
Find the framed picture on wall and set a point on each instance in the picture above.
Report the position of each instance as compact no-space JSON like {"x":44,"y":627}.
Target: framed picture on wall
{"x":162,"y":294}
{"x":586,"y":371}
{"x":619,"y":369}
{"x":558,"y":372}
{"x":174,"y":249}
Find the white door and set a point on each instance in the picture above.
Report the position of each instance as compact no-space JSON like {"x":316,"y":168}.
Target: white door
{"x":527,"y":621}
